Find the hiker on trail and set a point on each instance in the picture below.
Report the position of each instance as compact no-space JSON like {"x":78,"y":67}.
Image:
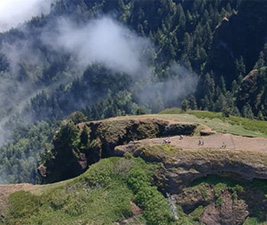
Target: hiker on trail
{"x":167,"y":141}
{"x":201,"y":142}
{"x":223,"y":145}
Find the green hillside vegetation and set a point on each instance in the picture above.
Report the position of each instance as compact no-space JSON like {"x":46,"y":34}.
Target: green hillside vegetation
{"x":219,"y":122}
{"x":102,"y":195}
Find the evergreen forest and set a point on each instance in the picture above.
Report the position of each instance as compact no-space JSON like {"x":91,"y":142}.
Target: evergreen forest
{"x":125,"y":57}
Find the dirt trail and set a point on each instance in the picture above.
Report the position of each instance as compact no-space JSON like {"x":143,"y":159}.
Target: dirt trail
{"x":216,"y":141}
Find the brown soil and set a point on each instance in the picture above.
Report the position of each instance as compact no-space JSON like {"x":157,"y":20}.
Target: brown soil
{"x":232,"y":142}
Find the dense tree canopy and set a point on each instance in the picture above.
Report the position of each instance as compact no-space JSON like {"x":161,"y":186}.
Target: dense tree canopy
{"x":220,"y":42}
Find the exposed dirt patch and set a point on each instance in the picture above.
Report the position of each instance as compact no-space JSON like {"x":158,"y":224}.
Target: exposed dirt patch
{"x":216,"y":141}
{"x":135,"y":209}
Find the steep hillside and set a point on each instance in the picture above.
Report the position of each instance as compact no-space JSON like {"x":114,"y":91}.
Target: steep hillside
{"x":114,"y":58}
{"x":169,"y":172}
{"x":76,"y":147}
{"x":68,"y":65}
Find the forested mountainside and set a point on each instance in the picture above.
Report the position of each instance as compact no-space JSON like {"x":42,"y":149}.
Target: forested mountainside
{"x":108,"y":58}
{"x":219,"y":42}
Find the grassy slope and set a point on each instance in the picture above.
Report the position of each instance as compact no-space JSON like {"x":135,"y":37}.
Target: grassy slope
{"x":233,"y":124}
{"x":102,"y":200}
{"x":102,"y":195}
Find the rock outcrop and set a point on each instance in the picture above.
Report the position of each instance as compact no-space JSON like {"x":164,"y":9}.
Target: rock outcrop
{"x":180,"y":167}
{"x":67,"y":161}
{"x":229,"y":212}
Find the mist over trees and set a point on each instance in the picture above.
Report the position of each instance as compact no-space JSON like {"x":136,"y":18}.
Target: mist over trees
{"x":108,"y":58}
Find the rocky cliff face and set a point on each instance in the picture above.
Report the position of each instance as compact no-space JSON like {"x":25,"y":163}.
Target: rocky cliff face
{"x":215,"y":203}
{"x":180,"y":167}
{"x":68,"y":161}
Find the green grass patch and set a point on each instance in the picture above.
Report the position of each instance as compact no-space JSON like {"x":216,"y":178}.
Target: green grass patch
{"x":197,"y":213}
{"x":215,"y":120}
{"x":171,"y":111}
{"x":101,"y":195}
{"x":248,"y":124}
{"x":254,"y":221}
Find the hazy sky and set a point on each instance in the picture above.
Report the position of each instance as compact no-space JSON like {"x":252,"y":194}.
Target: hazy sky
{"x":15,"y":12}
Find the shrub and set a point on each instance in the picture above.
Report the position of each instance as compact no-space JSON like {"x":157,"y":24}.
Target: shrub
{"x":137,"y":179}
{"x":238,"y":188}
{"x":219,"y":201}
{"x":218,"y":188}
{"x":74,"y":206}
{"x":68,"y":135}
{"x":157,"y":210}
{"x":57,"y":199}
{"x":23,"y":204}
{"x":144,"y":195}
{"x":197,"y":213}
{"x":140,"y":111}
{"x":155,"y":206}
{"x":100,"y":173}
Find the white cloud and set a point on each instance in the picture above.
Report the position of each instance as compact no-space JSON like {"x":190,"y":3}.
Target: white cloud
{"x":15,"y":12}
{"x":102,"y":41}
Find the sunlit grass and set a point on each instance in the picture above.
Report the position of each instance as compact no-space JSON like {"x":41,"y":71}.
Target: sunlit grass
{"x":233,"y":125}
